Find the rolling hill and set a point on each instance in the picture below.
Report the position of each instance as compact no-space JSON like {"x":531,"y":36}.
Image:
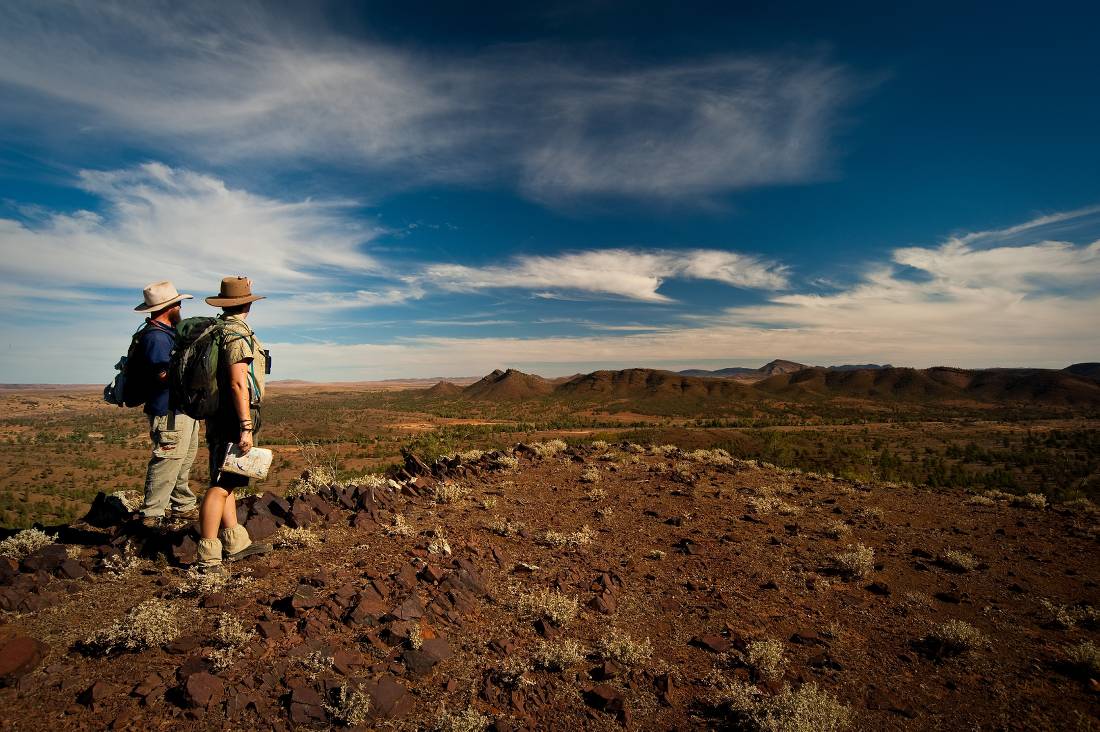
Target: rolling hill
{"x":1047,"y":387}
{"x":510,"y":385}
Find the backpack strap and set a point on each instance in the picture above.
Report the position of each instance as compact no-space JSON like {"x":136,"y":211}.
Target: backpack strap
{"x":253,"y":384}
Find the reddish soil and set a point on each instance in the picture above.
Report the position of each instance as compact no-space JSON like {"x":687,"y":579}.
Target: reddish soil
{"x":728,"y":576}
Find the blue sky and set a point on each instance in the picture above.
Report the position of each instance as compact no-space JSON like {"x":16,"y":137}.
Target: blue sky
{"x":426,"y":191}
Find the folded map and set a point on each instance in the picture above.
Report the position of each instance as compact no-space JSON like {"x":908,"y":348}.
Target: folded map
{"x":254,"y":464}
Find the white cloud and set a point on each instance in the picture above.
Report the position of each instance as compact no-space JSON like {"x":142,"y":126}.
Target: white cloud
{"x":627,"y":273}
{"x":187,"y":227}
{"x":160,"y":222}
{"x":232,"y":81}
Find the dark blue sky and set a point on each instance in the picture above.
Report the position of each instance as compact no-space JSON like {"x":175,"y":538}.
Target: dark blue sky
{"x":424,"y":190}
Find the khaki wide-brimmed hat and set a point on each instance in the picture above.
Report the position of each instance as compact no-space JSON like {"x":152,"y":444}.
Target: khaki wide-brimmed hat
{"x":160,"y":295}
{"x":234,"y":291}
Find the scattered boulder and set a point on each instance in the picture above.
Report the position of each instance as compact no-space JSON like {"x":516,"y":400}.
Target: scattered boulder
{"x":203,"y":689}
{"x":19,"y":655}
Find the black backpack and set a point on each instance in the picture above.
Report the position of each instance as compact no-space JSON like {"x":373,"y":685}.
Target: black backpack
{"x":130,"y":387}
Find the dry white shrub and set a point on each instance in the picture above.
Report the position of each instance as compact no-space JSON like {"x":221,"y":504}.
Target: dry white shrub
{"x":766,"y":658}
{"x":148,"y":625}
{"x":596,"y":494}
{"x":316,"y":663}
{"x":955,"y":637}
{"x":575,"y":540}
{"x":856,"y":563}
{"x":1067,"y":617}
{"x":352,"y":706}
{"x":313,"y":479}
{"x":439,"y":544}
{"x":504,"y":527}
{"x":837,"y":530}
{"x":550,"y":448}
{"x":551,"y":605}
{"x":488,"y":503}
{"x":621,"y":648}
{"x":230,"y":635}
{"x":599,"y":445}
{"x":118,"y":566}
{"x":25,"y":542}
{"x":448,"y":493}
{"x":655,"y":554}
{"x":806,"y":709}
{"x":716,"y":457}
{"x":468,"y":720}
{"x":295,"y":538}
{"x":958,"y":561}
{"x":605,"y":512}
{"x":557,"y":655}
{"x":981,"y":501}
{"x":1086,"y":657}
{"x":416,"y":638}
{"x":505,"y":463}
{"x":591,"y":474}
{"x":1036,"y":501}
{"x":74,"y":551}
{"x":764,"y":505}
{"x":399,"y":527}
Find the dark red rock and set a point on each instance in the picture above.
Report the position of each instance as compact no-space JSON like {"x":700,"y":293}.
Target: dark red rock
{"x":260,"y":526}
{"x":432,"y":573}
{"x":421,"y":660}
{"x":301,"y":515}
{"x":410,"y":609}
{"x":346,"y":661}
{"x":202,"y":690}
{"x":97,"y":693}
{"x":715,"y":643}
{"x":214,"y":599}
{"x":878,"y":588}
{"x":71,"y":569}
{"x":389,"y":698}
{"x":306,"y":706}
{"x":46,"y":559}
{"x":186,"y":550}
{"x":304,"y":598}
{"x":184,"y":644}
{"x":606,"y":699}
{"x":19,"y":655}
{"x":270,"y":630}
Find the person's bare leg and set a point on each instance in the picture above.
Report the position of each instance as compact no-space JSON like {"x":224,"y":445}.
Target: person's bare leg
{"x":229,"y":511}
{"x":212,"y":511}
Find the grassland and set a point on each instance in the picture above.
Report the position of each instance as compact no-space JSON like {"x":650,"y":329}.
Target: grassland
{"x":58,"y":448}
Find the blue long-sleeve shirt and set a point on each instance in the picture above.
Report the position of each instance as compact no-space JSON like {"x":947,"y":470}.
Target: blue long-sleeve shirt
{"x":156,"y":349}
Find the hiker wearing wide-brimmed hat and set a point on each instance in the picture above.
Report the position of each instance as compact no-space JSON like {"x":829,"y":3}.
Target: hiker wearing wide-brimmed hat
{"x":242,"y":367}
{"x":175,"y":436}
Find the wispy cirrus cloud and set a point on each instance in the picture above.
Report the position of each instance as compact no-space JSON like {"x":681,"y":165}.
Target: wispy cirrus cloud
{"x":234,"y":81}
{"x":634,"y":274}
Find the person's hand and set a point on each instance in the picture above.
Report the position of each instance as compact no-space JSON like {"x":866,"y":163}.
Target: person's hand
{"x":245,"y":443}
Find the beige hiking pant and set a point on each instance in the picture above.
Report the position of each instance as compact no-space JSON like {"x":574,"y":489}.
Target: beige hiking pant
{"x":175,"y":439}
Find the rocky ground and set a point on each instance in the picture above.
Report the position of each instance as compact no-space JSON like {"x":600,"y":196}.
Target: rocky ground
{"x":547,"y":587}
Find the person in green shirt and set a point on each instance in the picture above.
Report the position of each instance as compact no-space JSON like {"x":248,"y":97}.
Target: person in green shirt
{"x":242,"y":364}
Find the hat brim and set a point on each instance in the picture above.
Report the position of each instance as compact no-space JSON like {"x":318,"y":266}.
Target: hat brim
{"x":228,"y":302}
{"x":143,"y":308}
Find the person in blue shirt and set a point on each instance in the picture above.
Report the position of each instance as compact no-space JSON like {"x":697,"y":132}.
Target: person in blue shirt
{"x":175,"y":436}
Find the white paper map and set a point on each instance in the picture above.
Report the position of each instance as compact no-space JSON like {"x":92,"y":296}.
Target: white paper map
{"x":254,"y":465}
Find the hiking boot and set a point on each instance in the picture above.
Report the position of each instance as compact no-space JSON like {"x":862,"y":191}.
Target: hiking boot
{"x":152,"y":522}
{"x":211,"y":569}
{"x":253,"y":549}
{"x":191,"y":514}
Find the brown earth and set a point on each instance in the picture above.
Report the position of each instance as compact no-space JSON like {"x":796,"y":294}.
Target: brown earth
{"x":698,"y":554}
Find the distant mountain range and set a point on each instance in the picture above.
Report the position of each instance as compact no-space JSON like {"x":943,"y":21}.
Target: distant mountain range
{"x":1077,"y":385}
{"x":778,"y":366}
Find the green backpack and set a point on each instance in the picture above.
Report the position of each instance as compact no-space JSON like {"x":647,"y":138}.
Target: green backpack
{"x":193,"y":370}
